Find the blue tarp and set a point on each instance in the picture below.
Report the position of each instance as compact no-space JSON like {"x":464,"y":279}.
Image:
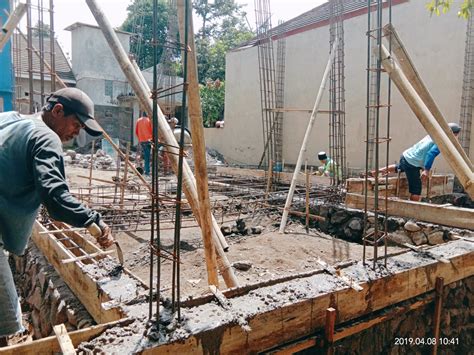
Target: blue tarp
{"x":6,"y":67}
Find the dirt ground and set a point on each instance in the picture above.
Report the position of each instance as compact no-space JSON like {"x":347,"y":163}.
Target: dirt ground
{"x":270,"y":254}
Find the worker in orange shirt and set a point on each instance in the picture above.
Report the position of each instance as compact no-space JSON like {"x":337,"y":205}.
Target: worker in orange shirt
{"x":144,"y":132}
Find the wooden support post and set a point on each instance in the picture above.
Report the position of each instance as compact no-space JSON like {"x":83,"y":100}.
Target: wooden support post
{"x":397,"y":192}
{"x":330,"y":324}
{"x":269,"y":180}
{"x":309,"y":128}
{"x":125,"y":175}
{"x":414,"y":77}
{"x":437,"y":132}
{"x":64,"y":340}
{"x":428,"y":185}
{"x":199,"y":143}
{"x":437,"y":313}
{"x":91,"y":168}
{"x":329,"y":329}
{"x":166,"y":135}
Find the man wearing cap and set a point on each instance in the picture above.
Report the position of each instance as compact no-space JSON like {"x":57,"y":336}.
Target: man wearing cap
{"x":32,"y":173}
{"x":419,"y":157}
{"x":328,"y":167}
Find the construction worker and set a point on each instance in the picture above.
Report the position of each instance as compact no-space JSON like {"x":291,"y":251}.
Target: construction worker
{"x":172,"y":122}
{"x":418,"y":157}
{"x":144,"y":132}
{"x":32,"y":173}
{"x":328,"y":167}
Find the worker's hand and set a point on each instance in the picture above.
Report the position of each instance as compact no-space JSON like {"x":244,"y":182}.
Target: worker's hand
{"x":106,"y":239}
{"x":425,"y":174}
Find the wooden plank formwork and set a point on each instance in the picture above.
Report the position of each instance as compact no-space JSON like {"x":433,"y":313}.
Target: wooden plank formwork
{"x":438,"y":186}
{"x":83,"y":286}
{"x":297,"y":320}
{"x":50,"y":345}
{"x":446,"y":215}
{"x":303,"y":318}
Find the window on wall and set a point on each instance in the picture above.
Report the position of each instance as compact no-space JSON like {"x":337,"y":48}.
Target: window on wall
{"x":109,"y":88}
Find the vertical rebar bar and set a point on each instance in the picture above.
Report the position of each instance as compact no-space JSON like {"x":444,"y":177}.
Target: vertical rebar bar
{"x":467,"y":89}
{"x":30,"y":57}
{"x":52,"y":45}
{"x":373,"y":127}
{"x":337,"y":148}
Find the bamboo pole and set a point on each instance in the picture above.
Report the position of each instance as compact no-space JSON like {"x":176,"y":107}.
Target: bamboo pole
{"x":289,"y":198}
{"x":408,"y":68}
{"x":199,"y":144}
{"x":431,"y":125}
{"x":12,"y":21}
{"x":166,"y":135}
{"x":307,"y":195}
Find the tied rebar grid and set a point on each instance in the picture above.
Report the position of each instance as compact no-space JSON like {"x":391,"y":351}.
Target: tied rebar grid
{"x":272,"y":149}
{"x":337,"y":117}
{"x":39,"y":18}
{"x":232,"y":198}
{"x":280,"y":100}
{"x":376,"y":235}
{"x":467,"y":89}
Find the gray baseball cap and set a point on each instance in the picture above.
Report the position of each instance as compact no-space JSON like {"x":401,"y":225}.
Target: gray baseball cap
{"x":77,"y":101}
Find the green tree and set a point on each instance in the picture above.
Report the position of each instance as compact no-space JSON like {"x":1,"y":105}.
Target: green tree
{"x":212,"y":102}
{"x":41,"y":28}
{"x":139,"y":21}
{"x":442,"y":6}
{"x":223,"y":27}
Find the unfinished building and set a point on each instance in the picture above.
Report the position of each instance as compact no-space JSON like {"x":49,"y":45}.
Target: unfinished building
{"x":227,"y":259}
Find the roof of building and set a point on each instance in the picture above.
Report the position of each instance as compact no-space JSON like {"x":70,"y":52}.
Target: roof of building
{"x":20,"y":57}
{"x":76,"y":25}
{"x":319,"y":16}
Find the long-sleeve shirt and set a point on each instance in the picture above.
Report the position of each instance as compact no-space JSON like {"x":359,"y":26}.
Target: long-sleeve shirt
{"x":144,"y":130}
{"x":330,"y":168}
{"x":422,"y":154}
{"x":31,"y":173}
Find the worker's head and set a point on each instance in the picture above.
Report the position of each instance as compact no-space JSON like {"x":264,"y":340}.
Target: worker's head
{"x":67,"y":111}
{"x":322,"y":156}
{"x":455,"y":128}
{"x":173,"y":121}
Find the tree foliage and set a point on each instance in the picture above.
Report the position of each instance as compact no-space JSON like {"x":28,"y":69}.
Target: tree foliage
{"x":212,"y":101}
{"x":42,"y":29}
{"x":223,"y":27}
{"x":442,"y":6}
{"x":139,"y":21}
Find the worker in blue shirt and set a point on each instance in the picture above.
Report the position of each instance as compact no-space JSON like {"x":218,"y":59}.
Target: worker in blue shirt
{"x":32,"y":173}
{"x":416,"y":158}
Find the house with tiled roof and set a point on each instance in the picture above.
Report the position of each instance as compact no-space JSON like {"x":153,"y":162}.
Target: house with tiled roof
{"x":40,"y":73}
{"x":435,"y":44}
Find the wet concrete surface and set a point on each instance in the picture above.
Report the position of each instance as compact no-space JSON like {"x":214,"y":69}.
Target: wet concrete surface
{"x":201,"y":319}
